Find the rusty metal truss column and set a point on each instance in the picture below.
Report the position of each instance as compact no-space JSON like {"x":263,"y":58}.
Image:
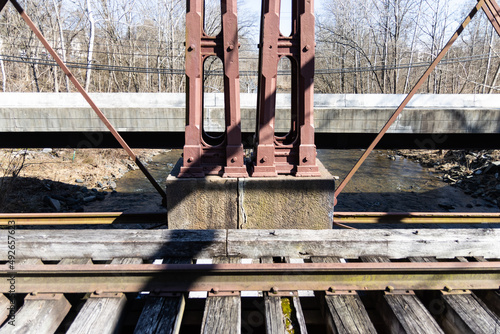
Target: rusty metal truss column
{"x":294,"y":153}
{"x":201,"y":158}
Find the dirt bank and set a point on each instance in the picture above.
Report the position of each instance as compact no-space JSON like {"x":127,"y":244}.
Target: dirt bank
{"x":476,"y":172}
{"x":64,"y":180}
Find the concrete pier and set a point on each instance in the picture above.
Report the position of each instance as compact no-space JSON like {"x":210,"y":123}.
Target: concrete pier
{"x":283,"y":202}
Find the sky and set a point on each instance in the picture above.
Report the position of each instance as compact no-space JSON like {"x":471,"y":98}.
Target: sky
{"x":286,"y":11}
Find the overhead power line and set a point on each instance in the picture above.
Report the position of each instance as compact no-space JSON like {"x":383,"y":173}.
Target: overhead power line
{"x":181,"y":71}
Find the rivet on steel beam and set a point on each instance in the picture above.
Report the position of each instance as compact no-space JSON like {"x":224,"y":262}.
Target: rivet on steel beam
{"x":98,"y":292}
{"x":331,"y":289}
{"x":34,"y":293}
{"x":230,"y":47}
{"x":274,"y":290}
{"x":215,"y":291}
{"x":233,"y":160}
{"x":264,"y":159}
{"x":448,"y":288}
{"x":307,"y":48}
{"x":305,"y":159}
{"x":191,"y":47}
{"x":190,"y":159}
{"x":389,"y":288}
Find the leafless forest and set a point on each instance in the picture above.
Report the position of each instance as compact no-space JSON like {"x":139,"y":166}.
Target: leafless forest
{"x":372,"y":46}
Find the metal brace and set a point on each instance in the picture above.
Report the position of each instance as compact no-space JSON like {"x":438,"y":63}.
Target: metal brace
{"x":333,"y":292}
{"x":455,"y":292}
{"x":216,"y":293}
{"x":44,"y":296}
{"x":100,"y":294}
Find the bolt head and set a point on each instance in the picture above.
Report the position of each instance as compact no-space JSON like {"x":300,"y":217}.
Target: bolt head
{"x":190,"y":159}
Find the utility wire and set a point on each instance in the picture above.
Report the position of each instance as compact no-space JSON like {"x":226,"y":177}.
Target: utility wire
{"x":177,"y":71}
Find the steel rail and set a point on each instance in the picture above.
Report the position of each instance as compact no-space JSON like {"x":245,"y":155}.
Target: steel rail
{"x":107,"y":218}
{"x":415,"y":218}
{"x":86,"y":218}
{"x":82,"y":91}
{"x":250,"y":277}
{"x":408,"y":98}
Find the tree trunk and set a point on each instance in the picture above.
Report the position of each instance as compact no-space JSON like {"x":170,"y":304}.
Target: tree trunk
{"x":61,"y":39}
{"x":90,"y":50}
{"x":4,"y":76}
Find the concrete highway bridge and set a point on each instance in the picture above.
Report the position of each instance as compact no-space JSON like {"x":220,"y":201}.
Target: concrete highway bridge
{"x":158,"y":120}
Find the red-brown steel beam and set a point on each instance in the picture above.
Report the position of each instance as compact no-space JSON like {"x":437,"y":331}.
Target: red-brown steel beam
{"x":398,"y":111}
{"x":235,"y":164}
{"x":294,"y":153}
{"x":200,"y":157}
{"x":82,"y":91}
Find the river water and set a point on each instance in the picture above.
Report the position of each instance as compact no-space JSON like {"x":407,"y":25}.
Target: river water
{"x":384,"y":183}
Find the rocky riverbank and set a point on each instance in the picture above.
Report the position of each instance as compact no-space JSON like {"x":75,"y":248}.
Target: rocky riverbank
{"x":476,"y":172}
{"x":63,"y":180}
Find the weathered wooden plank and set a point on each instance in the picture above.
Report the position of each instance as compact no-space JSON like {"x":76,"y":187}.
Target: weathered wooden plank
{"x":4,"y":308}
{"x":465,"y":313}
{"x":348,"y":315}
{"x":275,"y":321}
{"x":54,"y":245}
{"x":422,"y":259}
{"x":297,"y":318}
{"x":492,"y":301}
{"x":147,"y":244}
{"x":100,"y":314}
{"x":411,"y":314}
{"x":41,"y":314}
{"x":75,"y":261}
{"x":29,"y":261}
{"x":222,"y":314}
{"x":375,"y":258}
{"x":404,"y":312}
{"x":325,"y":259}
{"x":126,"y":260}
{"x":353,"y":244}
{"x":162,"y":314}
{"x":346,"y":312}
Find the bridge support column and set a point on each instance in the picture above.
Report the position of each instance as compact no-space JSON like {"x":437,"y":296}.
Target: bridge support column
{"x":294,"y":153}
{"x":200,"y":157}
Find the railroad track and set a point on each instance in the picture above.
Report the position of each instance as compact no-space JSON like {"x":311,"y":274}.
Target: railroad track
{"x":108,"y":218}
{"x":251,"y":281}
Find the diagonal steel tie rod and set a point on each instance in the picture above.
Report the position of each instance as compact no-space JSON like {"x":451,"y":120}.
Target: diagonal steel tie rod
{"x":479,"y":5}
{"x":82,"y":91}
